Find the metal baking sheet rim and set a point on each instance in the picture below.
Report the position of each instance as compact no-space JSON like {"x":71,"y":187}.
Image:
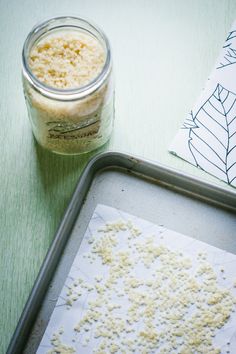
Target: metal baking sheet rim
{"x":160,"y":174}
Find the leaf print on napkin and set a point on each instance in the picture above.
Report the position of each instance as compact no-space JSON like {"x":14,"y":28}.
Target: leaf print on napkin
{"x":212,"y":141}
{"x":189,"y":122}
{"x":229,"y":48}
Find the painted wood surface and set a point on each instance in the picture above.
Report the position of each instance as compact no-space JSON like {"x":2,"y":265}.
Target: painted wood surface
{"x":163,"y":54}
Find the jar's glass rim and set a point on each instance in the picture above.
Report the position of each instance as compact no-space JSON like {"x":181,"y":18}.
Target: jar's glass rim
{"x":66,"y":94}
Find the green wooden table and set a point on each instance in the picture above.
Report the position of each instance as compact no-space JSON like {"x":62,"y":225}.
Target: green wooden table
{"x":163,"y":52}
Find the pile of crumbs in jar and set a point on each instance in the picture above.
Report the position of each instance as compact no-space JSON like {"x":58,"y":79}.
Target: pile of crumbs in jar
{"x":166,"y":307}
{"x":67,"y":60}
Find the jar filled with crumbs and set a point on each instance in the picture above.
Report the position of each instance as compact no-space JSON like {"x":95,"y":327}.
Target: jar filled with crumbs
{"x":68,"y":86}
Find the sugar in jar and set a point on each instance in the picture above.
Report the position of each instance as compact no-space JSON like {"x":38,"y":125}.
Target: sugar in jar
{"x":68,"y":85}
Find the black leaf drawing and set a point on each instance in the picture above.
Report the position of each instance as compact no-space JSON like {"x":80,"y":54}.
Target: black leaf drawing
{"x":229,"y":57}
{"x":212,"y":139}
{"x":231,"y":35}
{"x":189,"y":122}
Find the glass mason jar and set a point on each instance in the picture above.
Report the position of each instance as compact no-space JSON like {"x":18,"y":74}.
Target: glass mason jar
{"x":69,"y":121}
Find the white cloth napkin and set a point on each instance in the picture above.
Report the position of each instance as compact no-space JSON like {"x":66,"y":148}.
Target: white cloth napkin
{"x":207,"y":138}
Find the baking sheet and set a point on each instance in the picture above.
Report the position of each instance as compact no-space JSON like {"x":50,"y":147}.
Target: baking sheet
{"x":86,"y":273}
{"x":153,"y":192}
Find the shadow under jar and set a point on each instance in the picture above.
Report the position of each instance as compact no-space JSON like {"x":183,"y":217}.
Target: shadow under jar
{"x":68,"y":85}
